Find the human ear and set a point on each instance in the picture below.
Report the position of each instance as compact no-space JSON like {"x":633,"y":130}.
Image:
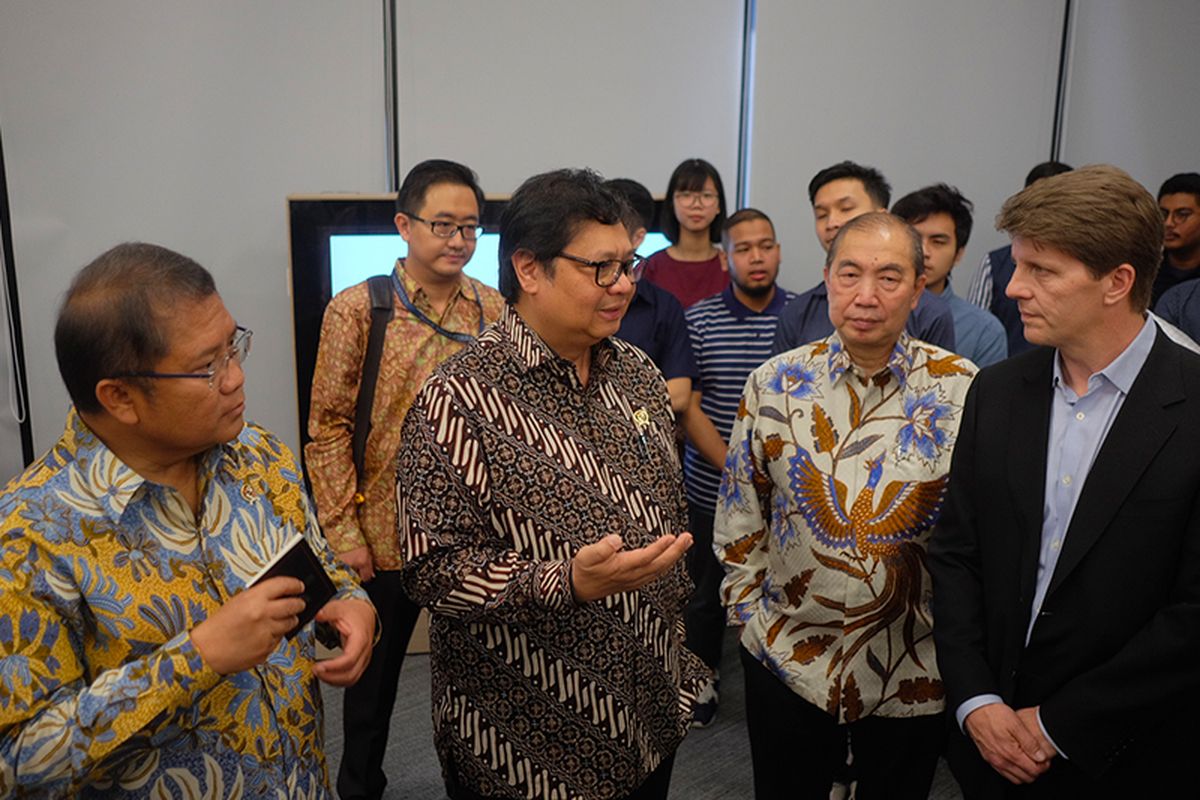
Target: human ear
{"x":118,"y":400}
{"x":529,"y":271}
{"x":403,"y":225}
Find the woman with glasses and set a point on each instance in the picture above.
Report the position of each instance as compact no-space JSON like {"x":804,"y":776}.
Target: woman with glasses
{"x":692,"y":267}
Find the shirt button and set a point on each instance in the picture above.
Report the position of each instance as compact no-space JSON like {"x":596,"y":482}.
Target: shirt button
{"x":1079,"y":416}
{"x":1066,"y":480}
{"x":1055,"y":544}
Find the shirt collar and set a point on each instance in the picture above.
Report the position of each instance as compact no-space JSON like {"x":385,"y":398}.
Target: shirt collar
{"x":740,"y":310}
{"x":112,"y":482}
{"x":1123,"y":370}
{"x":839,"y":364}
{"x":533,"y":352}
{"x":415,"y":290}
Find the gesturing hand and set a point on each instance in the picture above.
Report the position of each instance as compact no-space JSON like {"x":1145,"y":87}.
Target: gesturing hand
{"x":1006,"y":743}
{"x":247,"y":629}
{"x":604,"y":568}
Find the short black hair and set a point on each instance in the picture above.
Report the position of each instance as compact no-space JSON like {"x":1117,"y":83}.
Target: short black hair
{"x":416,"y":184}
{"x":939,"y":198}
{"x":1183,"y":183}
{"x":639,"y":199}
{"x":1046,"y":169}
{"x":876,"y":186}
{"x":112,"y":320}
{"x":740,"y":216}
{"x":690,"y":176}
{"x":545,"y":213}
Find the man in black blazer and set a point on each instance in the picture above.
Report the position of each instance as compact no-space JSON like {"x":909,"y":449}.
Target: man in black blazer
{"x":1066,"y":566}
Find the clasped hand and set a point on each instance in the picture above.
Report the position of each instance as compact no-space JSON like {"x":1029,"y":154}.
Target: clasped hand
{"x":1010,"y":741}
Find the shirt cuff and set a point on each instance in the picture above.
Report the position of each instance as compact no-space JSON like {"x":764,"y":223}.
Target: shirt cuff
{"x":1053,"y":743}
{"x":970,"y":704}
{"x":554,"y":587}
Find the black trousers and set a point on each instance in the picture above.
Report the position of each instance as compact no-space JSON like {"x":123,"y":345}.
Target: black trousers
{"x":797,"y":749}
{"x":367,"y":705}
{"x":704,"y":617}
{"x":655,"y":787}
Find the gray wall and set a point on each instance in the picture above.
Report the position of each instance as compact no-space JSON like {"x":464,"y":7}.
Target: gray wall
{"x":627,"y":87}
{"x":188,"y":123}
{"x":1132,"y":98}
{"x":925,"y":91}
{"x":185,"y":124}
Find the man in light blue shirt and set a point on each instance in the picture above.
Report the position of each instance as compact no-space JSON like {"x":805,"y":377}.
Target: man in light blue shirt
{"x":1066,"y":565}
{"x":943,"y":218}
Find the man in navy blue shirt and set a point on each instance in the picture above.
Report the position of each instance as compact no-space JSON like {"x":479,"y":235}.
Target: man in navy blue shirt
{"x":839,"y":194}
{"x":1179,"y":202}
{"x":654,"y":320}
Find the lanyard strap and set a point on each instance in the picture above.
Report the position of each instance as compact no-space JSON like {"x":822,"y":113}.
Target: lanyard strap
{"x":420,"y":315}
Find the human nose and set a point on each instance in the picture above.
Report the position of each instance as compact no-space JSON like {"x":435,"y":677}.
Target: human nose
{"x":232,"y":377}
{"x":622,"y":285}
{"x":1016,"y":287}
{"x":867,"y":293}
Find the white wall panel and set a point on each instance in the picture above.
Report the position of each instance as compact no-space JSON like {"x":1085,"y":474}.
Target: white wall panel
{"x":925,"y":90}
{"x":1132,"y":98}
{"x":185,"y":124}
{"x":515,"y":88}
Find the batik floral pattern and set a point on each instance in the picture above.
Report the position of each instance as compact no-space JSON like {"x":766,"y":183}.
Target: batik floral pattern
{"x":833,"y":481}
{"x":102,"y":576}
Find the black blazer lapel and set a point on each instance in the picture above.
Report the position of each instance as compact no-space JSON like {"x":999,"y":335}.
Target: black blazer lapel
{"x":1137,"y":434}
{"x":1028,"y":435}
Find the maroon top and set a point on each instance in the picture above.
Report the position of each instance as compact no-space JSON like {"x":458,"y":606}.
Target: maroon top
{"x":689,"y":281}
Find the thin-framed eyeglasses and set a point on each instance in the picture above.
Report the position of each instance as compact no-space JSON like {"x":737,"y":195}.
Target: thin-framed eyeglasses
{"x":237,"y":351}
{"x":445,"y":229}
{"x":688,"y":198}
{"x":610,"y":271}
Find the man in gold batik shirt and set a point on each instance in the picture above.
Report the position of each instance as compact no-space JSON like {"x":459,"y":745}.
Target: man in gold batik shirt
{"x":436,"y":310}
{"x":136,"y":661}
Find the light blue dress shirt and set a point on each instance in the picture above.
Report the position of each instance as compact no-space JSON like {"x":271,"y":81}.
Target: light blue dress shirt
{"x":978,"y":334}
{"x":1078,"y":427}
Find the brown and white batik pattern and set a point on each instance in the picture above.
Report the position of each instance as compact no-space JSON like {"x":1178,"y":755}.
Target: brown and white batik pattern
{"x":508,"y":465}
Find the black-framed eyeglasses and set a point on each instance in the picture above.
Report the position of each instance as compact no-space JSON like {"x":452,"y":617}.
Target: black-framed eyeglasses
{"x":445,"y":229}
{"x":238,"y":349}
{"x":610,"y":271}
{"x":686,"y":198}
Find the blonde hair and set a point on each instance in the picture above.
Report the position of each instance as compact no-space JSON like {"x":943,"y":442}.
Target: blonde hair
{"x":1097,"y":214}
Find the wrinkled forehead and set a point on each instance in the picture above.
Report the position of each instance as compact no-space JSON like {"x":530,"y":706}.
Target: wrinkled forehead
{"x":875,"y":246}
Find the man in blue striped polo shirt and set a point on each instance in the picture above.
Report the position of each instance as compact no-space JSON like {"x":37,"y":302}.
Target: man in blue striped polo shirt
{"x":732,"y":334}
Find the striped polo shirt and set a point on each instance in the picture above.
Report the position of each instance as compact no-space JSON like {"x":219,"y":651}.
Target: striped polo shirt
{"x":729,"y":341}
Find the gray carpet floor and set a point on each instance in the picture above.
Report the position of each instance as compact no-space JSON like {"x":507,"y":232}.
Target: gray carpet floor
{"x":712,"y":763}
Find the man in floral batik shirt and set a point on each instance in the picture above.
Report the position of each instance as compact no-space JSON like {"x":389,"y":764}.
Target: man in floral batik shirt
{"x":135,"y":660}
{"x":836,"y":472}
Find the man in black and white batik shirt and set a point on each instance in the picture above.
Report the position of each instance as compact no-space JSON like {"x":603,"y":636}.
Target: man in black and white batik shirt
{"x":542,"y":518}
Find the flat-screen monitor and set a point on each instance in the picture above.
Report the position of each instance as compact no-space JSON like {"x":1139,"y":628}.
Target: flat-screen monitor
{"x":354,"y":257}
{"x":340,"y":240}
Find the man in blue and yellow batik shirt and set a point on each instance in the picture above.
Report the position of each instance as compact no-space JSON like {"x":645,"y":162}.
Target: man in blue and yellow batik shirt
{"x":136,"y":662}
